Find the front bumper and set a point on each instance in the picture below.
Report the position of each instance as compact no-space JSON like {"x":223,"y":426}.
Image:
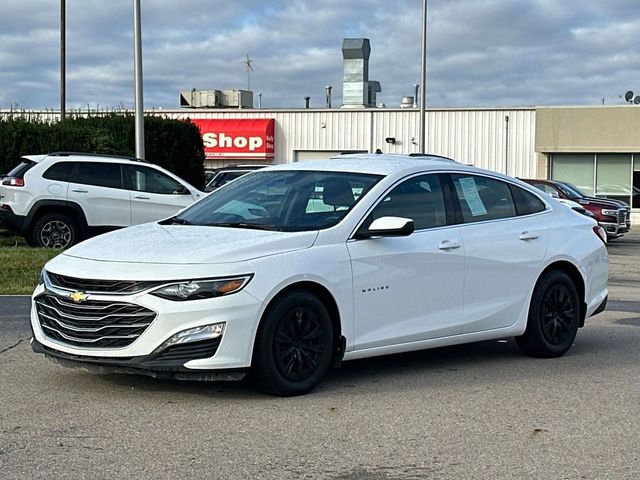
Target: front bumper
{"x":614,"y":230}
{"x":239,"y":312}
{"x":155,"y":365}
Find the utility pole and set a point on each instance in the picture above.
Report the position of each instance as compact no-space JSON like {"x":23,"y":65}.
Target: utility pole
{"x":139,"y":112}
{"x":63,"y":59}
{"x":423,"y":79}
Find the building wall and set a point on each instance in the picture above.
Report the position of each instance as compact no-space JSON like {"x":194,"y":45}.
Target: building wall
{"x":474,"y":136}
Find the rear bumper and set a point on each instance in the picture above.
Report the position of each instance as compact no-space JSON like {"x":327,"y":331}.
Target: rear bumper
{"x":11,"y":221}
{"x":155,"y":365}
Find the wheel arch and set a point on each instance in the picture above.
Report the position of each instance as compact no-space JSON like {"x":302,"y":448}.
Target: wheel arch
{"x":327,"y":299}
{"x":576,"y":277}
{"x":63,"y":207}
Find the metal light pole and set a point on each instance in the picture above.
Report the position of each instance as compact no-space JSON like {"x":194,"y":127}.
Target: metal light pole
{"x":139,"y":112}
{"x":63,"y":58}
{"x":423,"y":79}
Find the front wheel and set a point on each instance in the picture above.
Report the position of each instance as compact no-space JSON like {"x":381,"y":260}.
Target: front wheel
{"x":554,"y":317}
{"x":294,"y":345}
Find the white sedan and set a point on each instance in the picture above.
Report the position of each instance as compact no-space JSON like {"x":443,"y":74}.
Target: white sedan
{"x":292,"y":269}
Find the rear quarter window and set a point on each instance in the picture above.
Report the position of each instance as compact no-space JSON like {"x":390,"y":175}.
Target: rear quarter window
{"x":61,"y":171}
{"x":526,"y":202}
{"x":19,"y":170}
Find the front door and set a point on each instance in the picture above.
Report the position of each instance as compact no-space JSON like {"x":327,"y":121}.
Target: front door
{"x":409,"y":289}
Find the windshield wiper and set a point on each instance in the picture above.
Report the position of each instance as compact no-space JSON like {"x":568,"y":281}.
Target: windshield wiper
{"x":175,"y":221}
{"x":256,"y":226}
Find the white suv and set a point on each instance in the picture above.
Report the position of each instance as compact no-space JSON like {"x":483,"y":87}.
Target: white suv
{"x":56,"y":200}
{"x":293,"y":268}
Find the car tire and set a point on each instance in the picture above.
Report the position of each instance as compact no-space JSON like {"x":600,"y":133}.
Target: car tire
{"x":554,"y":317}
{"x":54,"y":230}
{"x":294,"y":345}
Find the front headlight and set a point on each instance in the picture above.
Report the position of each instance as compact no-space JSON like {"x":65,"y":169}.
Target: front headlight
{"x":43,"y":273}
{"x":610,"y":213}
{"x":200,"y":289}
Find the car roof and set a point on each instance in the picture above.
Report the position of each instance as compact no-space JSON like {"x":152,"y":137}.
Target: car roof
{"x":376,"y":164}
{"x":94,"y":157}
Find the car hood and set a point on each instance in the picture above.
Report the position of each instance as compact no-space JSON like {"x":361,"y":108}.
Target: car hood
{"x":188,"y":244}
{"x":605,"y":202}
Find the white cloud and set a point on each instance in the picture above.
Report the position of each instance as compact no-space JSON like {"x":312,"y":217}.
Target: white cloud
{"x":481,"y":52}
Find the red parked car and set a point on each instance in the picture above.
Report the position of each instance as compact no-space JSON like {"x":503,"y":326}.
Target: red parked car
{"x":612,"y":215}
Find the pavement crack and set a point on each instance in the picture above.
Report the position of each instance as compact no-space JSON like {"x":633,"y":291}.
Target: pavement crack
{"x":11,"y":346}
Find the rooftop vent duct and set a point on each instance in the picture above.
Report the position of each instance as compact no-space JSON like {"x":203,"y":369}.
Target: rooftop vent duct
{"x":216,"y":99}
{"x":357,"y":90}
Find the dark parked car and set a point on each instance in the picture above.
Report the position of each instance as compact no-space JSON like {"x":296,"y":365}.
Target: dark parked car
{"x":220,"y":176}
{"x":612,"y":215}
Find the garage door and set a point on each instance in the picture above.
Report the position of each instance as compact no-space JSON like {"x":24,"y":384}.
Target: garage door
{"x":305,"y":155}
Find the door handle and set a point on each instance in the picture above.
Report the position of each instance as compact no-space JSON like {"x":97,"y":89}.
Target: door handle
{"x":448,"y":245}
{"x":141,"y":197}
{"x":79,"y":190}
{"x":528,"y":236}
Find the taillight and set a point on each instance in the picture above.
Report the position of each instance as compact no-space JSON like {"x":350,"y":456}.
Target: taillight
{"x":602,"y":235}
{"x":13,"y":181}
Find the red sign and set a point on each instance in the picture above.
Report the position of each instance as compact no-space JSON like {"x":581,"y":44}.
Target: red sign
{"x":246,"y":138}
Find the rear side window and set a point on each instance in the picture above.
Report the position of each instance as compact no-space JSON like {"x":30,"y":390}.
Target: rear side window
{"x":483,"y":198}
{"x":61,"y":171}
{"x":526,"y":202}
{"x":21,"y":169}
{"x":98,"y":174}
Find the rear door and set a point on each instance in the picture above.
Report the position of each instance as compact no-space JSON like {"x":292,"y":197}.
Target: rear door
{"x":409,"y":289}
{"x":505,"y":244}
{"x":154,"y":195}
{"x":98,"y":188}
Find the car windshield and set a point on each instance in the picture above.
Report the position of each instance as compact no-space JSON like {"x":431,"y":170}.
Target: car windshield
{"x":281,"y":201}
{"x":571,"y":190}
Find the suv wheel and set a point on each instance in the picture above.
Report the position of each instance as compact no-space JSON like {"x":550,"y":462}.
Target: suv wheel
{"x":294,"y":346}
{"x":54,"y":231}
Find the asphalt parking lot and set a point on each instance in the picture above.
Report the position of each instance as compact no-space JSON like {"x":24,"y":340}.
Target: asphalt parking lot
{"x":476,"y":411}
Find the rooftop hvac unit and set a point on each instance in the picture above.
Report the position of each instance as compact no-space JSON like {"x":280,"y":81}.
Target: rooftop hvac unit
{"x":216,"y":99}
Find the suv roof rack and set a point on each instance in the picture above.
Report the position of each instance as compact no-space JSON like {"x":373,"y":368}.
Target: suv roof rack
{"x":71,"y":154}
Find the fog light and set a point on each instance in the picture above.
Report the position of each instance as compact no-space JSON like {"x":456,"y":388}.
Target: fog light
{"x":196,"y":334}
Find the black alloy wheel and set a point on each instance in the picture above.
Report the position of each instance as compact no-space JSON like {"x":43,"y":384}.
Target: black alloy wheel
{"x":557,"y":314}
{"x":54,"y":231}
{"x":294,"y":345}
{"x":298,"y":344}
{"x":554,"y":317}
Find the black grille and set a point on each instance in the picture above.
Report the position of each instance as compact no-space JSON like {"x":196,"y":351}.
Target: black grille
{"x":100,"y":286}
{"x":92,"y":323}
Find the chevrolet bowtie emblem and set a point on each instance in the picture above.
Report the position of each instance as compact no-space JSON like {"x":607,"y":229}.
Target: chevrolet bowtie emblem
{"x":78,"y":297}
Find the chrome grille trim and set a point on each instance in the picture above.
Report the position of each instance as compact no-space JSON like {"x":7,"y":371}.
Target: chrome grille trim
{"x":92,"y":323}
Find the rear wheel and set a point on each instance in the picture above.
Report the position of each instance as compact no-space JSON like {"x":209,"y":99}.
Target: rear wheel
{"x":554,"y":317}
{"x":294,"y":345}
{"x":54,"y":230}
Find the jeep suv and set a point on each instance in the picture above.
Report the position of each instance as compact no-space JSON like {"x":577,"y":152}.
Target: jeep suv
{"x":612,"y":215}
{"x":58,"y":199}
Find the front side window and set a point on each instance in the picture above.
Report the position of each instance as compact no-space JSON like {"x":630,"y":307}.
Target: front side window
{"x":98,"y":174}
{"x":419,"y":198}
{"x":281,"y":200}
{"x":150,"y":180}
{"x":483,"y":198}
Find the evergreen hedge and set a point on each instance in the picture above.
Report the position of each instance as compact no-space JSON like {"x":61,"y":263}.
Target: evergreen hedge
{"x":173,"y":144}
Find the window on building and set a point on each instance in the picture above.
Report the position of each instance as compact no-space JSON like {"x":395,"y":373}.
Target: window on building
{"x":636,"y":181}
{"x":576,"y":168}
{"x":612,"y":176}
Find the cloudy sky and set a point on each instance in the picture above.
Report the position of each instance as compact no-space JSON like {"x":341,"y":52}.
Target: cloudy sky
{"x":480,"y":53}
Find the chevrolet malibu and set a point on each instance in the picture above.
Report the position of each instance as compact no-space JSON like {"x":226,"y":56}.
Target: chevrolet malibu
{"x":292,"y":269}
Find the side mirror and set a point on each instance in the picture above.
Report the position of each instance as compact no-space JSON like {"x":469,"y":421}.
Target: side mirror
{"x":388,"y":227}
{"x":554,"y":194}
